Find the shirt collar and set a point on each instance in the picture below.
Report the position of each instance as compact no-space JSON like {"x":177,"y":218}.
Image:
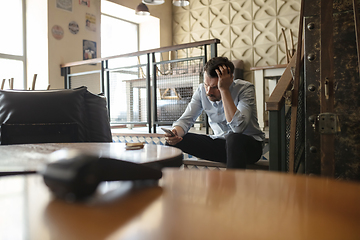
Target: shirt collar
{"x":217,"y":103}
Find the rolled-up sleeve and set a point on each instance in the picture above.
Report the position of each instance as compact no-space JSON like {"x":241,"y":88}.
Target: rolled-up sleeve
{"x":191,"y":113}
{"x":245,"y":110}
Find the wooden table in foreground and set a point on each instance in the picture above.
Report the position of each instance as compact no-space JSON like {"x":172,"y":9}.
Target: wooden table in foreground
{"x":187,"y":204}
{"x":31,"y":156}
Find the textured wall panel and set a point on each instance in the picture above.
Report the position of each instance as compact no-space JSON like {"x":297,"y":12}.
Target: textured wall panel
{"x":288,"y":7}
{"x":182,"y":38}
{"x":249,"y":30}
{"x":199,"y":19}
{"x":240,"y":12}
{"x":181,"y":23}
{"x":264,"y":31}
{"x":265,"y":55}
{"x":241,"y":35}
{"x":264,"y":9}
{"x":199,"y":4}
{"x":199,"y":24}
{"x":219,"y":15}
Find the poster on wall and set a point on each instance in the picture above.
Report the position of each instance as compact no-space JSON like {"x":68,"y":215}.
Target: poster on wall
{"x":64,"y":5}
{"x":84,"y":2}
{"x":57,"y":32}
{"x":73,"y":27}
{"x":90,"y":22}
{"x":89,"y":49}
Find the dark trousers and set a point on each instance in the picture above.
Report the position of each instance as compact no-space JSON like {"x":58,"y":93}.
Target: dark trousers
{"x":236,"y":150}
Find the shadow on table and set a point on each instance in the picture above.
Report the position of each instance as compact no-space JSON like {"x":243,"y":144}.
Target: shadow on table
{"x":101,"y":215}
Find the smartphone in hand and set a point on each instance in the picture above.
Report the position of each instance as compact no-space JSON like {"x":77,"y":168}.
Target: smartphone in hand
{"x":168,"y":131}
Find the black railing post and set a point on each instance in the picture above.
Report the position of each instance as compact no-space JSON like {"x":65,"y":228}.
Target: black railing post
{"x":107,"y":85}
{"x":206,"y":117}
{"x":274,"y":141}
{"x":283,"y":147}
{"x":154,"y":92}
{"x":213,"y":50}
{"x":148,"y":91}
{"x":65,"y":71}
{"x":102,"y":77}
{"x":277,"y":144}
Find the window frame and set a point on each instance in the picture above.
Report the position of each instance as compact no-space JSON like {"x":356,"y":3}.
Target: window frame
{"x":124,"y":20}
{"x":22,"y":57}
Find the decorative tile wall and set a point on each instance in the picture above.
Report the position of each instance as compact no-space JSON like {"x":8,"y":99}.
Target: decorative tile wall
{"x":249,"y":30}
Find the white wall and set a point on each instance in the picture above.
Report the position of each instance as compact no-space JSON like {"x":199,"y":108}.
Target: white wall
{"x":70,"y":47}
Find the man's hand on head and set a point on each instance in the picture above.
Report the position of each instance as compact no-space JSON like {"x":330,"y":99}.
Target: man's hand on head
{"x":225,"y":77}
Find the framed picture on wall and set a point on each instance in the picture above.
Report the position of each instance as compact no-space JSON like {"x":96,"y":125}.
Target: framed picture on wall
{"x":84,"y":2}
{"x":64,"y":5}
{"x":89,"y":50}
{"x":90,"y":22}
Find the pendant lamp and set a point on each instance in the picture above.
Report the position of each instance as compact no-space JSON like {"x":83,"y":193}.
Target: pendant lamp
{"x":181,"y":3}
{"x":153,"y":2}
{"x":142,"y":10}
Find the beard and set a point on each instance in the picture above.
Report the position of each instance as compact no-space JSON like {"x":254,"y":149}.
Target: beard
{"x":213,"y":98}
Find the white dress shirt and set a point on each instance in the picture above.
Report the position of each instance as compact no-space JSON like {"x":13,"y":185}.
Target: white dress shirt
{"x":244,"y":121}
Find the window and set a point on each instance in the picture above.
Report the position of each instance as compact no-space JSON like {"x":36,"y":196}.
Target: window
{"x":122,"y":31}
{"x":118,"y":36}
{"x":117,"y":33}
{"x":12,"y":43}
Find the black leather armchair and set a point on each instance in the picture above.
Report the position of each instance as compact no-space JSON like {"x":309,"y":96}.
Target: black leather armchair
{"x":67,"y":115}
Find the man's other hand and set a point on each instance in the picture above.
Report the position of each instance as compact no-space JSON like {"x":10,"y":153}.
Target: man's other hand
{"x":172,"y":140}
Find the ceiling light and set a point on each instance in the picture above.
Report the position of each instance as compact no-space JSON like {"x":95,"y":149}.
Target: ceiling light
{"x":153,"y":2}
{"x":142,"y":10}
{"x":181,"y":3}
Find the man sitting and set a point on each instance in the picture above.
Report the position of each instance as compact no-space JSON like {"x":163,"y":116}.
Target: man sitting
{"x":231,"y":108}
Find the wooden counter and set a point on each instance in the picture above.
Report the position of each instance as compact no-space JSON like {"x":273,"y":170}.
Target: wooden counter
{"x":187,"y":204}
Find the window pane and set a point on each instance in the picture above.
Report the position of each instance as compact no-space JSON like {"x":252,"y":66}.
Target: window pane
{"x":11,"y":27}
{"x":115,"y":34}
{"x":120,"y":37}
{"x":12,"y":69}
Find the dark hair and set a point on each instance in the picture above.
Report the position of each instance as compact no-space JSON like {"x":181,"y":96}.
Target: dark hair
{"x":214,"y":63}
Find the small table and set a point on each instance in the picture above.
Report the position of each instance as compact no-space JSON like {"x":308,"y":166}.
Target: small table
{"x":261,"y":74}
{"x":187,"y":204}
{"x":31,"y":156}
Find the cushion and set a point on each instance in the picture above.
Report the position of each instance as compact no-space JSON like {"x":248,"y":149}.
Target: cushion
{"x":97,"y":119}
{"x":239,"y":69}
{"x":39,"y":133}
{"x":47,"y":106}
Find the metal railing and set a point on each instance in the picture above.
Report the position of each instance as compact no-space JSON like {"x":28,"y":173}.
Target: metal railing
{"x":143,"y":88}
{"x":279,"y":107}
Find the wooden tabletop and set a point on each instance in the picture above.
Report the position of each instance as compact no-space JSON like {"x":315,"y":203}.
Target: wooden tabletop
{"x":187,"y":204}
{"x":30,"y":156}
